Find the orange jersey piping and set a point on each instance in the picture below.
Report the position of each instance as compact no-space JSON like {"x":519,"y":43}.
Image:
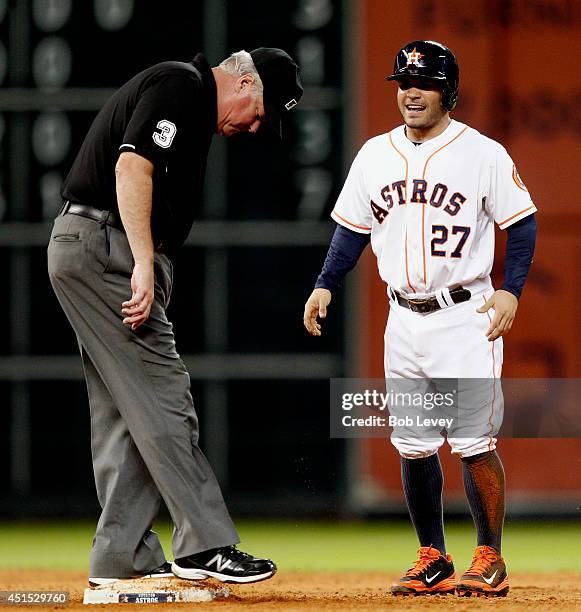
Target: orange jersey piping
{"x":516,"y":215}
{"x":407,"y":273}
{"x":424,"y":206}
{"x":442,"y":147}
{"x":349,"y":222}
{"x":490,"y":424}
{"x":406,"y":197}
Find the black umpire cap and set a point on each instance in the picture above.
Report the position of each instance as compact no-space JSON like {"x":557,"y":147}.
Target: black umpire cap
{"x":282,"y":85}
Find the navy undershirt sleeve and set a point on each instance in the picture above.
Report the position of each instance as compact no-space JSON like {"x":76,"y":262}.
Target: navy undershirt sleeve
{"x":520,"y":247}
{"x":347,"y":246}
{"x":345,"y":249}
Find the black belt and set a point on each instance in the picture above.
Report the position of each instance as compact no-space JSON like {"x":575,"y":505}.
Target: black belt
{"x":102,"y":216}
{"x":458,"y":295}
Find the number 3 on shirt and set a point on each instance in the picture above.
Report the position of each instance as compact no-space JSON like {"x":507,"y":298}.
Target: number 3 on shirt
{"x":440,"y":233}
{"x":165,"y":137}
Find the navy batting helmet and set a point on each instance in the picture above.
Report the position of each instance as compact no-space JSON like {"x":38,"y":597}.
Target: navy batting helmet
{"x":427,"y":59}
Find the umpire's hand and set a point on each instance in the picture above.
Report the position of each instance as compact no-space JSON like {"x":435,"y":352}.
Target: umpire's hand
{"x":316,"y":306}
{"x":136,"y":310}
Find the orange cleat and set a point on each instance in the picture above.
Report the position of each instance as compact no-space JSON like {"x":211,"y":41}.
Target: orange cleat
{"x":432,"y":574}
{"x":486,"y":577}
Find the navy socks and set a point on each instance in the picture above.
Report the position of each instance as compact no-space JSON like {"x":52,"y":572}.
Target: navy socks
{"x":423,"y":482}
{"x":484,"y":486}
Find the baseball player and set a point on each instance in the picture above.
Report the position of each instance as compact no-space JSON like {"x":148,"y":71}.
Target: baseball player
{"x":427,"y":195}
{"x":130,"y":200}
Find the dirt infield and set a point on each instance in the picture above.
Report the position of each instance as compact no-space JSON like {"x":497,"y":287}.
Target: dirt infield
{"x":323,"y":590}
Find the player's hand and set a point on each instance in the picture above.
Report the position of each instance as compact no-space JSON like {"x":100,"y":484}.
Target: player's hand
{"x":137,"y":309}
{"x":316,"y":306}
{"x":505,"y":305}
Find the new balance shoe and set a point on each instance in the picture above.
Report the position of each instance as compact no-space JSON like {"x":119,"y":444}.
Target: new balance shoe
{"x":431,"y":574}
{"x":486,"y":576}
{"x":227,"y":564}
{"x":163,"y":571}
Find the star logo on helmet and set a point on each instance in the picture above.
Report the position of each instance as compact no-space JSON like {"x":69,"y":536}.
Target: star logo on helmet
{"x":414,"y":57}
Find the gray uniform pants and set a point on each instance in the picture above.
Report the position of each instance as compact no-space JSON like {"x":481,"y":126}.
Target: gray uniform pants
{"x":144,"y":430}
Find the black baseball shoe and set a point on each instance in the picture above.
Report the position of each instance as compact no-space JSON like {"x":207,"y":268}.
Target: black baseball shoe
{"x":486,"y":577}
{"x":227,"y":564}
{"x":163,"y":571}
{"x":432,"y":574}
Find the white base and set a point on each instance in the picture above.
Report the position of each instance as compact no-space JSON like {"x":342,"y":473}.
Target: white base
{"x":104,"y":595}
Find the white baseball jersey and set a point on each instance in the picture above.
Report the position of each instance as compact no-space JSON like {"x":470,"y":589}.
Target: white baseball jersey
{"x":431,"y":208}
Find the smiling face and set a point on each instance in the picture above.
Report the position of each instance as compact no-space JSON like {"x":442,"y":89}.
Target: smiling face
{"x":240,"y":109}
{"x":420,"y":104}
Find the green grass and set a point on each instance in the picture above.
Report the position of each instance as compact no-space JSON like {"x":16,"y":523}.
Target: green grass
{"x":308,"y":545}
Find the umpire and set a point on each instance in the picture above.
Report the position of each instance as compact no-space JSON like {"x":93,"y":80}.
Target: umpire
{"x":129,"y":203}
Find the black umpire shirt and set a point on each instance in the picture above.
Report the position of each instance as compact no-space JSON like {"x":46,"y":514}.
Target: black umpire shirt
{"x":168,"y":115}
